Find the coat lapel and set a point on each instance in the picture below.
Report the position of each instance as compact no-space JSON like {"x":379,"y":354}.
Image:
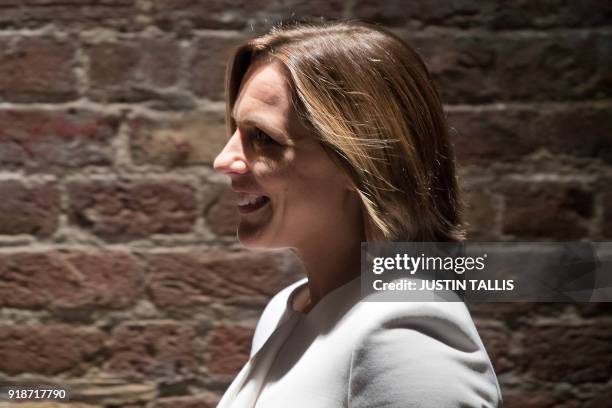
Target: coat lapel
{"x":245,"y":389}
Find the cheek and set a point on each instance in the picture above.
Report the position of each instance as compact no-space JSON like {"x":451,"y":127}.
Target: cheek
{"x":274,"y":172}
{"x":318,"y":183}
{"x":303,"y":183}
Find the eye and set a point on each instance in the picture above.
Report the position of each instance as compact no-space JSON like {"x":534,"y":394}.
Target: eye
{"x":260,"y":137}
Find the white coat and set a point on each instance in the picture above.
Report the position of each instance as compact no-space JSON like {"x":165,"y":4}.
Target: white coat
{"x":356,"y":354}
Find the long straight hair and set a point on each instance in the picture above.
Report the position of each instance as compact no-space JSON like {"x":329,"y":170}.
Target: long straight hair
{"x":369,"y":99}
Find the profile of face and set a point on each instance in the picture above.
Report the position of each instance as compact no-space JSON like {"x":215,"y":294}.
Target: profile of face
{"x":289,"y":189}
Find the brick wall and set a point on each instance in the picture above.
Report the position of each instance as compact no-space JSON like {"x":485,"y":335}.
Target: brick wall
{"x":119,"y":272}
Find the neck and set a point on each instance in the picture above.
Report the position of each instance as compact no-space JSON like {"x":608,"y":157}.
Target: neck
{"x":329,"y":266}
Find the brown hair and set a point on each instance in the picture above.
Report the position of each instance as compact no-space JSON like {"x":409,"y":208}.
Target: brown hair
{"x":369,"y":99}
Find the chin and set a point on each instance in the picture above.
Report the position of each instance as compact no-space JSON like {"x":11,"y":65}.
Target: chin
{"x":252,"y":243}
{"x":253,"y":238}
{"x":260,"y":239}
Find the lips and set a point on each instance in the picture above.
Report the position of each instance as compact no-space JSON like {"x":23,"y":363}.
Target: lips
{"x":248,"y":203}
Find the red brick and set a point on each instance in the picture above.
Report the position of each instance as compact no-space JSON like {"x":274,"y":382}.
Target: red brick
{"x":37,"y":69}
{"x":512,"y":311}
{"x":207,"y":66}
{"x":601,"y":398}
{"x":28,"y":210}
{"x":132,"y":209}
{"x":162,"y":350}
{"x":309,"y":9}
{"x":483,"y":137}
{"x":492,"y":15}
{"x":540,"y":398}
{"x":504,"y":310}
{"x":594,"y":309}
{"x":222,"y":216}
{"x":498,"y":341}
{"x":53,"y":140}
{"x":569,"y":354}
{"x":206,"y":400}
{"x":178,"y":140}
{"x":53,"y":280}
{"x":211,"y":192}
{"x":179,"y":280}
{"x":578,"y":130}
{"x":48,"y":350}
{"x":183,"y":15}
{"x":606,"y":199}
{"x":480,"y":215}
{"x":421,"y":12}
{"x":132,"y":70}
{"x":62,"y":405}
{"x":228,"y":348}
{"x":489,"y":67}
{"x":539,"y":210}
{"x":22,"y":14}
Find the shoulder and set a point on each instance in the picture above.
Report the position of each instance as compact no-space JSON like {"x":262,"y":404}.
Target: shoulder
{"x":450,"y":320}
{"x":272,"y":315}
{"x":428,"y":353}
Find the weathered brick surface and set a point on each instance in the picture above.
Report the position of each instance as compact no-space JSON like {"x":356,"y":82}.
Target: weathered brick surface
{"x":37,"y":69}
{"x":48,"y":404}
{"x":491,"y":68}
{"x":313,"y":9}
{"x":130,"y":70}
{"x":520,"y":398}
{"x":207,"y":400}
{"x":179,"y":280}
{"x":606,"y":199}
{"x":580,"y":131}
{"x":513,"y":312}
{"x":47,"y":350}
{"x":184,"y":15}
{"x":537,"y":210}
{"x":125,"y":209}
{"x":54,"y":280}
{"x":111,"y":390}
{"x":600,"y":399}
{"x":53,"y":140}
{"x":107,"y":109}
{"x":222,"y":216}
{"x":207,"y":65}
{"x":182,"y":139}
{"x":483,"y":137}
{"x":28,"y":209}
{"x":481,"y":213}
{"x":228,"y":348}
{"x":119,"y":14}
{"x":594,"y":309}
{"x":491,"y":15}
{"x":569,"y":354}
{"x":499,"y":343}
{"x":162,"y":350}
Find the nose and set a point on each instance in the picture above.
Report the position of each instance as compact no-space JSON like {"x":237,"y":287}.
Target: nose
{"x":232,"y":158}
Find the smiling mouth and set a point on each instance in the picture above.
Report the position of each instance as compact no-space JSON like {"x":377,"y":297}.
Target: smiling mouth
{"x":248,"y":203}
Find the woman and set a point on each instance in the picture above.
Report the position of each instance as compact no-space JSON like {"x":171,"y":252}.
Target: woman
{"x":337,"y":136}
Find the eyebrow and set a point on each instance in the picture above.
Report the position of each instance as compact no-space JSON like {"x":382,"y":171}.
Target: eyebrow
{"x":270,"y":101}
{"x":247,"y":121}
{"x":250,"y":121}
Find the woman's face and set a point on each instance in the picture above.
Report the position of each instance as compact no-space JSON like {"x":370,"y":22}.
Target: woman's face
{"x":290,"y":192}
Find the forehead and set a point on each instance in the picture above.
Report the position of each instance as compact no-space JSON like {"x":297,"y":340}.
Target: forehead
{"x":264,"y":86}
